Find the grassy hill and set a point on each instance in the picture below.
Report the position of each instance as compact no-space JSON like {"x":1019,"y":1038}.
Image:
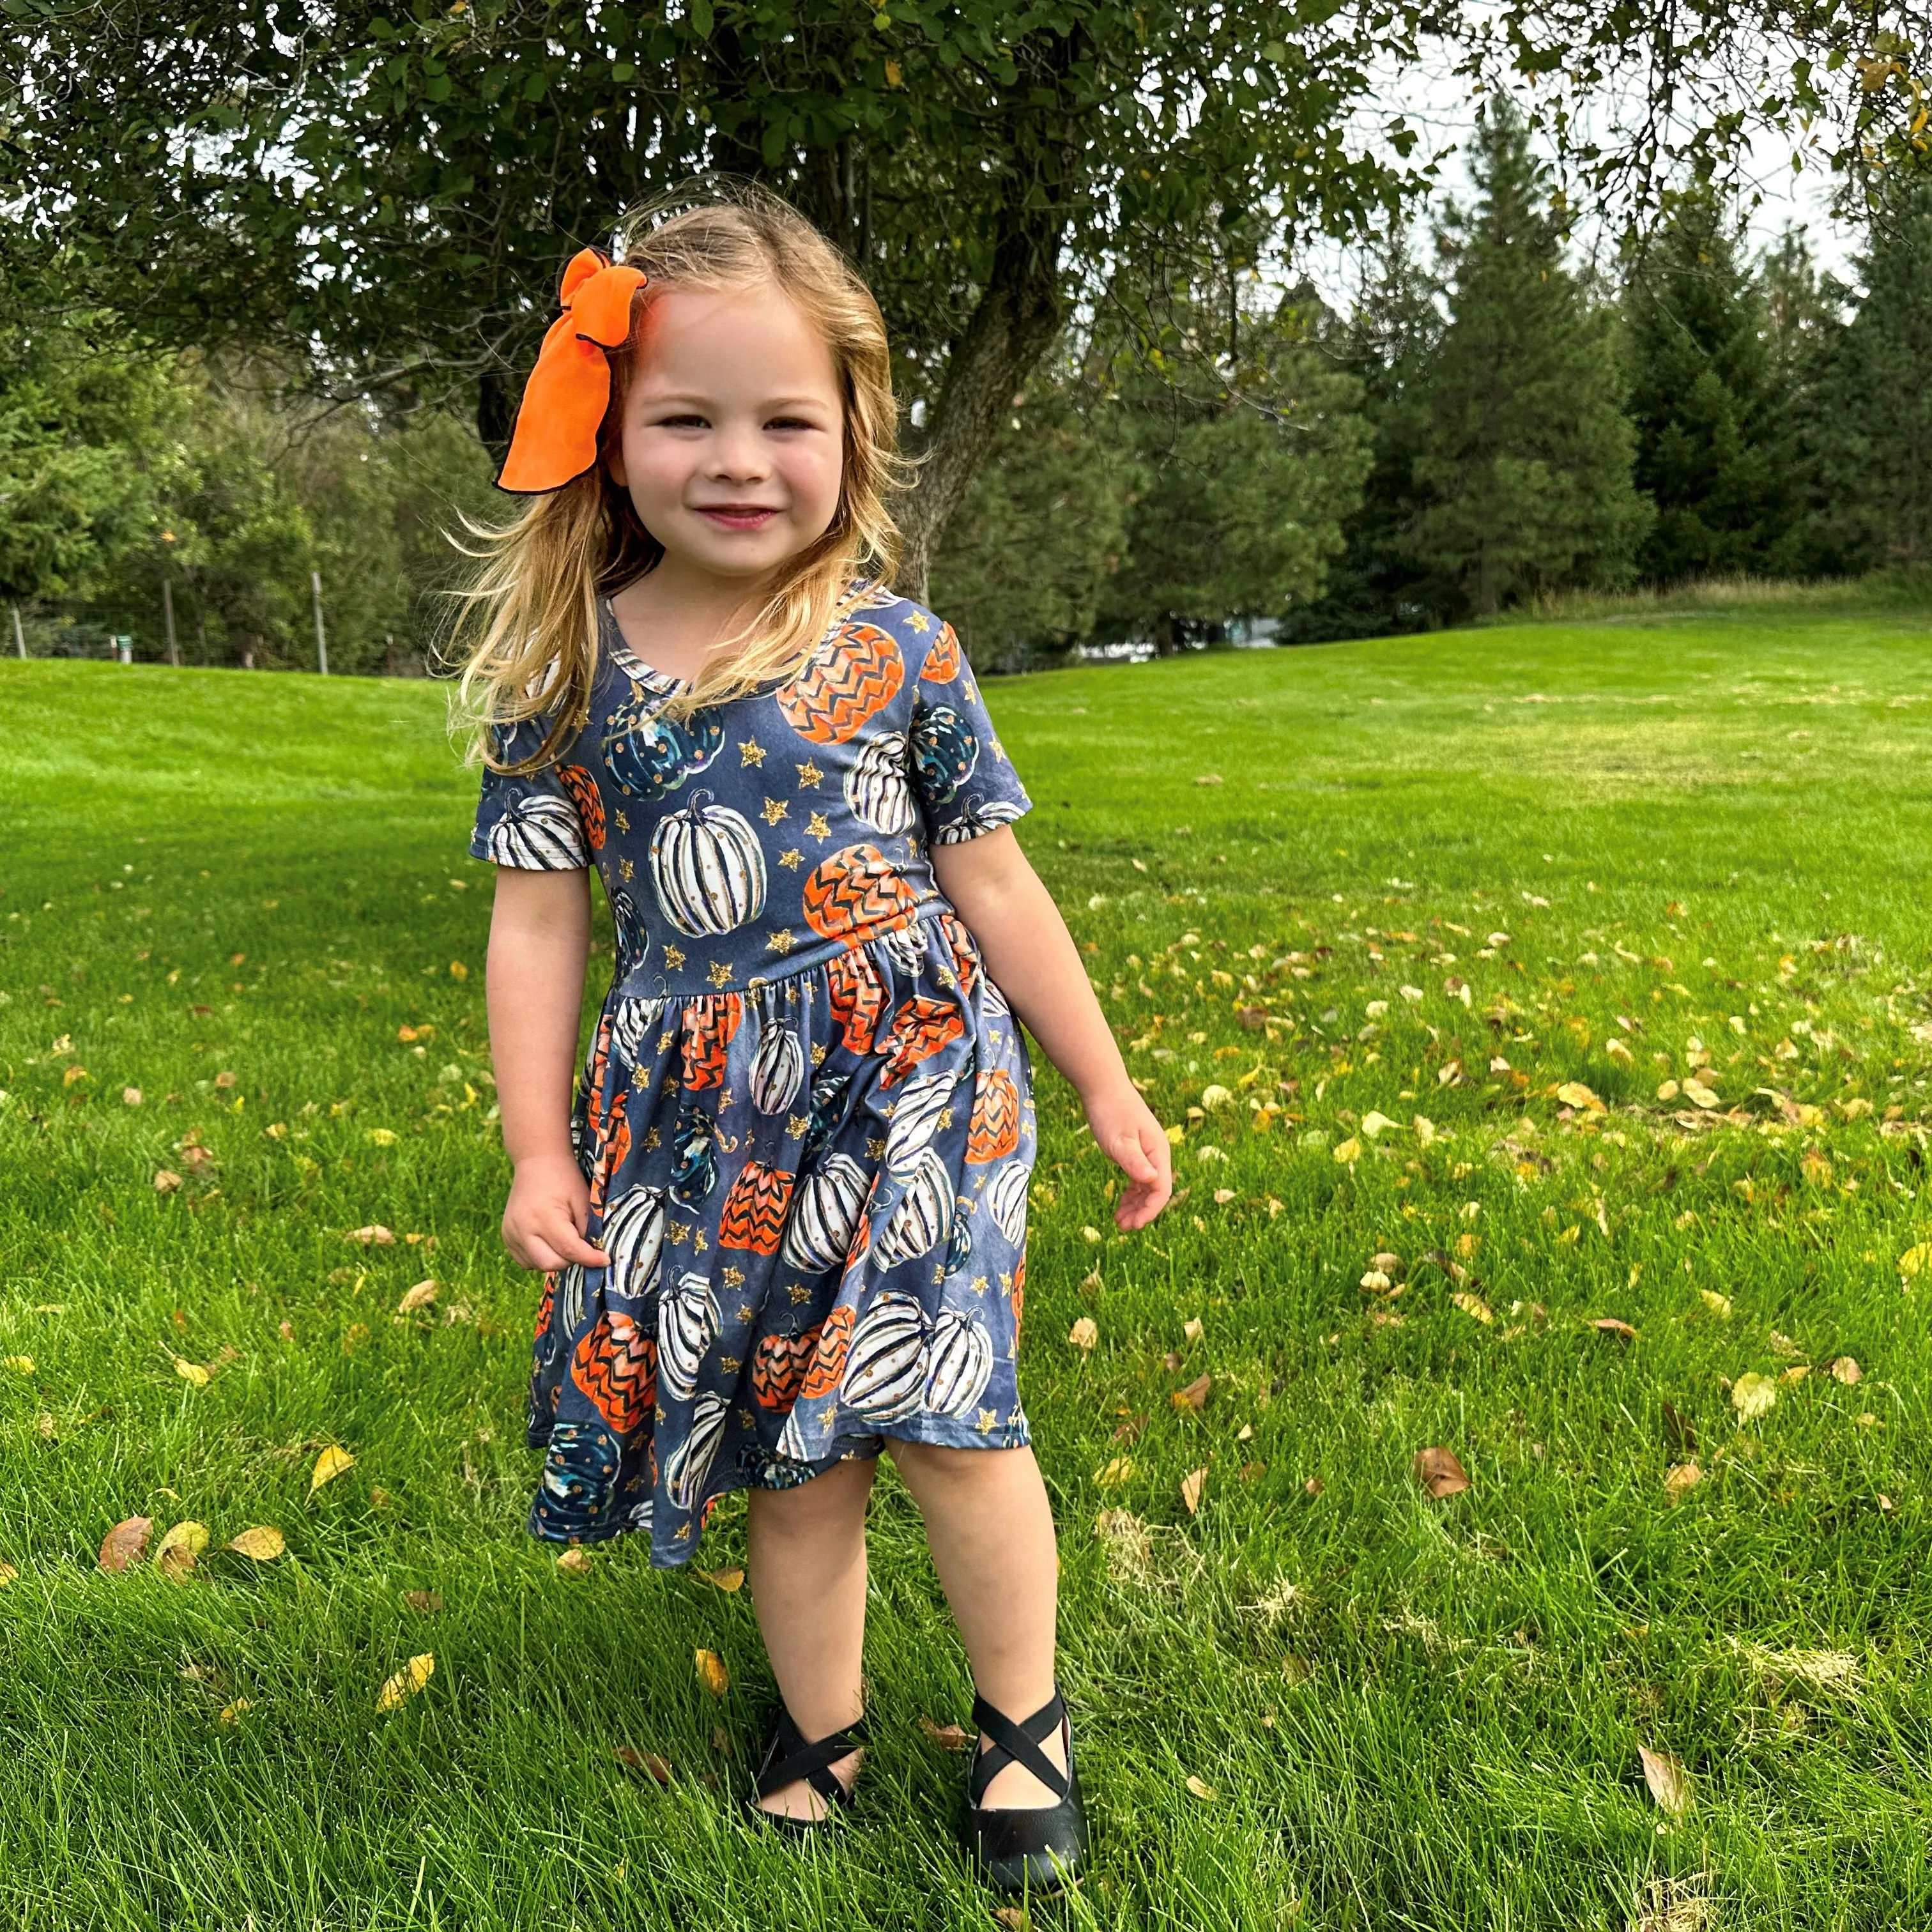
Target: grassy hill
{"x":1548,"y":1013}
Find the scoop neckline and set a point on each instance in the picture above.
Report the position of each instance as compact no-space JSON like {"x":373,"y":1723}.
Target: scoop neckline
{"x":641,"y":672}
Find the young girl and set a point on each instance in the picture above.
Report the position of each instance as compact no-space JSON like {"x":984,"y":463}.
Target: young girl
{"x":784,"y":1227}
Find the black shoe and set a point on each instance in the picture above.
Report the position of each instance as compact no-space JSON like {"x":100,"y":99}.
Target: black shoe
{"x":1019,"y":1850}
{"x":789,"y":1758}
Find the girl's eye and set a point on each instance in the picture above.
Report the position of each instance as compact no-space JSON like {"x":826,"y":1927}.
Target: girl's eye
{"x":790,"y":422}
{"x":682,"y":422}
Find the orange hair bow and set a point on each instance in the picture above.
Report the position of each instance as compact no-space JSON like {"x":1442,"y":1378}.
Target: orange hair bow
{"x":555,"y":440}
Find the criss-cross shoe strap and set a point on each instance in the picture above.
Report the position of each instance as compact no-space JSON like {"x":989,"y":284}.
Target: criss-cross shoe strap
{"x":791,"y":1758}
{"x":1018,"y":1743}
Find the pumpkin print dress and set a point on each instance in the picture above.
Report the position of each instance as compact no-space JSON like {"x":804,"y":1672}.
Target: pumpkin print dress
{"x":805,"y":1116}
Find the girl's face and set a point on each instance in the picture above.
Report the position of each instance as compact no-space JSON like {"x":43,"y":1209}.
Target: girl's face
{"x":732,"y":443}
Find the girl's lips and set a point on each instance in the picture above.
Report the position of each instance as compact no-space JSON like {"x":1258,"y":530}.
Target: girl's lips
{"x":737,"y":516}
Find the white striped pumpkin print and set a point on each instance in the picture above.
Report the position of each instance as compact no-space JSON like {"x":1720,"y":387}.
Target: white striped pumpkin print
{"x":959,"y":1364}
{"x":687,"y":1327}
{"x":632,"y":1235}
{"x":885,"y":1372}
{"x":876,"y":787}
{"x":538,"y":833}
{"x":824,"y":1213}
{"x":708,"y":867}
{"x":923,"y":1218}
{"x":688,"y":1466}
{"x":1006,"y":1198}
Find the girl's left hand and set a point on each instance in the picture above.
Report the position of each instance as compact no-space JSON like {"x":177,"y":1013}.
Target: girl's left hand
{"x":1126,"y":1131}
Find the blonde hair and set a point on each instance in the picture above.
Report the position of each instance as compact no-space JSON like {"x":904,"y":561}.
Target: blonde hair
{"x":527,"y":633}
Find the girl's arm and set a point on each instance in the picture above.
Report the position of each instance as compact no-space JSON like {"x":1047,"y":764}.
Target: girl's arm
{"x":539,"y":945}
{"x":1032,"y":958}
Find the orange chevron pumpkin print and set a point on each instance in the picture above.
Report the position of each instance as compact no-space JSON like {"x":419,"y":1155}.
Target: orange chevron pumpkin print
{"x":828,"y":1359}
{"x":581,"y":789}
{"x":995,"y":1129}
{"x":965,"y":954}
{"x":613,"y":1149}
{"x":753,"y":1215}
{"x":544,"y":1308}
{"x":1018,"y":1295}
{"x":943,"y":661}
{"x":858,"y":997}
{"x":834,"y":695}
{"x":853,"y":890}
{"x":593,"y":1077}
{"x":616,"y":1365}
{"x":920,"y":1028}
{"x":710,"y":1025}
{"x":779,"y":1365}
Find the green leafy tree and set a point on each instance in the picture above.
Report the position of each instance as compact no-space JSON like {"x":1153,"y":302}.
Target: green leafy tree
{"x":1714,"y":446}
{"x":399,"y":186}
{"x":1527,"y":455}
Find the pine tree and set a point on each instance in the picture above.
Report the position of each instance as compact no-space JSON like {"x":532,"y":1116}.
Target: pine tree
{"x":1389,"y":344}
{"x":1872,"y":408}
{"x":1527,"y":455}
{"x":1714,"y":440}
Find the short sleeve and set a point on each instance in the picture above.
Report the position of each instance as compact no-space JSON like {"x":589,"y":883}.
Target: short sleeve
{"x":532,"y":821}
{"x":965,"y":783}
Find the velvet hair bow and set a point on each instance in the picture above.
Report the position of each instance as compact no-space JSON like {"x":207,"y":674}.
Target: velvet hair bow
{"x":555,"y":440}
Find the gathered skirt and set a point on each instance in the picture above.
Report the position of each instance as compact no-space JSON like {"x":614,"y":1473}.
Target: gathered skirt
{"x":813,"y":1193}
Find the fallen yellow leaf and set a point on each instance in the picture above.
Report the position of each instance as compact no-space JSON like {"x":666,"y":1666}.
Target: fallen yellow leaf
{"x":1669,"y":1782}
{"x":1348,"y":1152}
{"x":1473,"y":1305}
{"x":261,"y":1544}
{"x":1116,"y":1472}
{"x":574,"y":1561}
{"x":21,"y":1364}
{"x":712,"y":1673}
{"x":1192,"y":1484}
{"x":729,"y":1581}
{"x":1084,"y":1333}
{"x":231,"y":1714}
{"x":329,"y":1465}
{"x":1915,"y":1259}
{"x":1752,"y":1396}
{"x":192,"y":1373}
{"x":1574,"y":1094}
{"x":420,"y":1296}
{"x":1719,"y":1305}
{"x":1684,"y":1476}
{"x":399,"y":1689}
{"x":1845,"y":1369}
{"x":1201,"y":1789}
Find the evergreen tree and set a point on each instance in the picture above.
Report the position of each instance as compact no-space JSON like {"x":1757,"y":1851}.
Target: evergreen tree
{"x":1527,"y":453}
{"x":1714,"y":441}
{"x":1872,"y":408}
{"x":1389,"y":344}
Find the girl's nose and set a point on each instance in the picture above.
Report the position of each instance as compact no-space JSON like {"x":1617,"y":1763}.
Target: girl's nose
{"x":738,"y":454}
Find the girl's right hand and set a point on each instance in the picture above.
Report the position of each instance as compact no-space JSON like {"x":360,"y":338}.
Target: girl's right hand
{"x":548,"y":1209}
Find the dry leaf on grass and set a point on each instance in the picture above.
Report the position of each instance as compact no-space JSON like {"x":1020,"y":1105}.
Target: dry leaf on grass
{"x":1085,"y":1333}
{"x":1609,"y":1324}
{"x":1015,"y":1917}
{"x":166,"y":1181}
{"x":1192,"y":1484}
{"x":420,"y":1296}
{"x":1752,"y":1396}
{"x":712,"y":1673}
{"x":192,"y":1373}
{"x":947,"y":1737}
{"x":649,"y":1762}
{"x":232,"y":1714}
{"x":1200,"y":1788}
{"x":1669,"y":1782}
{"x":1195,"y":1395}
{"x":8,"y":1574}
{"x":373,"y":1236}
{"x":329,"y":1465}
{"x":126,"y":1543}
{"x":1440,"y":1473}
{"x":1845,"y":1369}
{"x":1678,"y":1429}
{"x":729,"y":1581}
{"x":176,"y":1551}
{"x":1684,"y":1476}
{"x":399,"y":1689}
{"x":424,"y":1602}
{"x":1719,"y":1305}
{"x":1192,"y":1328}
{"x":1473,"y":1306}
{"x":263,"y":1543}
{"x":574,"y":1561}
{"x":1574,"y":1094}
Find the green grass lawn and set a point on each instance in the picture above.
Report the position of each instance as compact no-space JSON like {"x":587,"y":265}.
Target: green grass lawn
{"x":1367,"y":917}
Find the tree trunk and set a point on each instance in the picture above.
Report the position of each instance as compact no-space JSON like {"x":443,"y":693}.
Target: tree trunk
{"x":1018,"y":316}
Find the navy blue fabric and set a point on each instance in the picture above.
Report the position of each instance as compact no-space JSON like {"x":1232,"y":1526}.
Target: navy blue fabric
{"x":806,"y":1117}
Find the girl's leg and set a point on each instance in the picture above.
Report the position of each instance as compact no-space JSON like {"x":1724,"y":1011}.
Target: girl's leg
{"x":806,"y":1561}
{"x":990,"y":1529}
